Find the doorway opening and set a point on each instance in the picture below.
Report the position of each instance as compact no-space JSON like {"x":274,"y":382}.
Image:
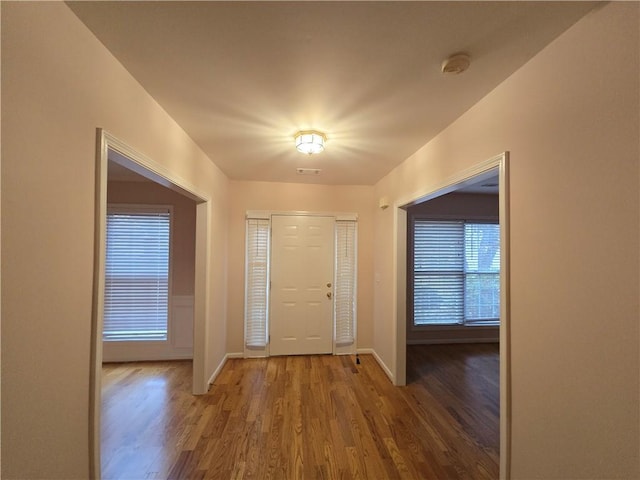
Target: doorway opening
{"x":481,"y":172}
{"x":112,"y":151}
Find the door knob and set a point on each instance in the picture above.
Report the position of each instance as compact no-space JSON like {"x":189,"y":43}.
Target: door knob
{"x":328,"y":294}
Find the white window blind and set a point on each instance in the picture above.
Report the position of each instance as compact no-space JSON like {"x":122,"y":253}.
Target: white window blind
{"x":438,"y":286}
{"x":256,"y":285}
{"x":456,"y":273}
{"x":137,"y":275}
{"x":345,"y":282}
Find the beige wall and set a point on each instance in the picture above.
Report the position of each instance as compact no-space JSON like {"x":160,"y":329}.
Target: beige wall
{"x":183,"y":227}
{"x":297,"y":197}
{"x":569,"y":118}
{"x":58,"y":84}
{"x":461,"y":206}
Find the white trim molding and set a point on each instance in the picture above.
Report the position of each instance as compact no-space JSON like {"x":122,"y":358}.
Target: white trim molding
{"x":443,"y":341}
{"x":478,"y":172}
{"x":124,"y":155}
{"x":221,"y":365}
{"x":267,"y":214}
{"x":257,"y":349}
{"x":110,"y":148}
{"x":370,"y":351}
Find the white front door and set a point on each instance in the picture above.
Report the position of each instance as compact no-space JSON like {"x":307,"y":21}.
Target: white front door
{"x":302,"y":257}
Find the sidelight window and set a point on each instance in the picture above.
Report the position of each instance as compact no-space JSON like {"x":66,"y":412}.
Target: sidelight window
{"x":257,"y":280}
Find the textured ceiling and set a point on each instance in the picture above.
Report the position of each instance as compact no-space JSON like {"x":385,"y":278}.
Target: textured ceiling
{"x":242,"y":77}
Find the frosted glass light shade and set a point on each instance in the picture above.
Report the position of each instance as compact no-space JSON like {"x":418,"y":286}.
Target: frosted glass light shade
{"x":310,"y":141}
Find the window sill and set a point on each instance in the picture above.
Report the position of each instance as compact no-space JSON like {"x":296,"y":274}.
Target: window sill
{"x":428,"y":334}
{"x":137,"y":342}
{"x":455,"y":326}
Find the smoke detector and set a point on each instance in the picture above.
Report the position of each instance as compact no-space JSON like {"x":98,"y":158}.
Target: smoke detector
{"x":456,"y":64}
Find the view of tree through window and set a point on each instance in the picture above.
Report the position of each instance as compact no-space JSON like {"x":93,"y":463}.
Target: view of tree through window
{"x":456,"y":273}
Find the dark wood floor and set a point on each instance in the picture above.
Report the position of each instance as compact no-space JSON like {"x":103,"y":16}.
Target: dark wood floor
{"x":306,"y":417}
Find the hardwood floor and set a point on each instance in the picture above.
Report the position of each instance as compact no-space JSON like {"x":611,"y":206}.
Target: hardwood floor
{"x":306,"y":417}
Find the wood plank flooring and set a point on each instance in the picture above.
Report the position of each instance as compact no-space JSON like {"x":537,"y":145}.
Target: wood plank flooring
{"x":307,"y":417}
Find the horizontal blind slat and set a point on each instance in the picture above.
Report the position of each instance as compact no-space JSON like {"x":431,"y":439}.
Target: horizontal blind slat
{"x":345,"y":282}
{"x":256,"y":293}
{"x":456,"y":267}
{"x":137,"y":276}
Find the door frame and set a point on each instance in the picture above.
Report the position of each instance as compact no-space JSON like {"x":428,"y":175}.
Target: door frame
{"x":488,"y":168}
{"x":266,"y":215}
{"x":109,"y":147}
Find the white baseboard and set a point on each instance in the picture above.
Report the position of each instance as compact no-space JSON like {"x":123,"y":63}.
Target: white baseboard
{"x":217,"y":371}
{"x":125,"y":356}
{"x":365,"y":351}
{"x":179,"y":345}
{"x":442,"y":341}
{"x":383,"y":366}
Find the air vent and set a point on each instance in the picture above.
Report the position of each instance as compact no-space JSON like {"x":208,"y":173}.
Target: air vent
{"x":308,"y":171}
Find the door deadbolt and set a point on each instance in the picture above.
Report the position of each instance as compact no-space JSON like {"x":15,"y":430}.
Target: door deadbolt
{"x":329,"y":285}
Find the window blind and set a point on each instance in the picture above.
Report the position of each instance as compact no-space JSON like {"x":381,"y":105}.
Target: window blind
{"x":456,"y":272}
{"x":345,"y":282}
{"x":256,"y":285}
{"x":137,"y":276}
{"x":438,"y":272}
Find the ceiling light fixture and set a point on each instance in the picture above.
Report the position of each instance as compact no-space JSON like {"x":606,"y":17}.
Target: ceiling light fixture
{"x":310,"y":141}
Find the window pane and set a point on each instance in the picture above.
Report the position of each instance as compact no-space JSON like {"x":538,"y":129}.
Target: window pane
{"x":438,"y":272}
{"x":482,"y":267}
{"x":482,"y":247}
{"x":345,"y":283}
{"x":257,"y":281}
{"x":438,"y":299}
{"x":438,"y":246}
{"x":456,"y":269}
{"x":482,"y":297}
{"x":136,"y":276}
